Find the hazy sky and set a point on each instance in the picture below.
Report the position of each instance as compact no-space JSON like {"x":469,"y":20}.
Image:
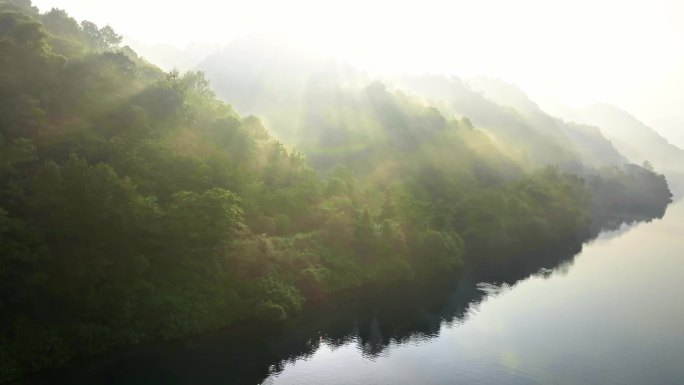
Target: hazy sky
{"x":577,"y":52}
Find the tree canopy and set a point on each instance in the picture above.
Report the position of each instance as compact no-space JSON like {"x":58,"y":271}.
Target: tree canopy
{"x":135,"y":205}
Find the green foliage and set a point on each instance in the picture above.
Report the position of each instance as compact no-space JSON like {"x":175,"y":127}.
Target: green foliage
{"x":136,"y":206}
{"x":211,"y":218}
{"x":629,"y":192}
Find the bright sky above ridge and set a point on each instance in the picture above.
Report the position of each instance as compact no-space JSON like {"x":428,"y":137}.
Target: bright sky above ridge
{"x":574,"y":52}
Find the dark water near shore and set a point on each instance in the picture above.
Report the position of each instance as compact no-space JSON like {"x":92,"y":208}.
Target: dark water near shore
{"x":612,"y":313}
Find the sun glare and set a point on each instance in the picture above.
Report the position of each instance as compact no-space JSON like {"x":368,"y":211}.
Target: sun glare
{"x":577,"y":52}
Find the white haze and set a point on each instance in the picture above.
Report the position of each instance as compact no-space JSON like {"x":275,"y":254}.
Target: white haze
{"x":580,"y":52}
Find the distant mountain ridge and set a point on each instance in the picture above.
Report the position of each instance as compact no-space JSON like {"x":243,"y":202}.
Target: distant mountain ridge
{"x":634,"y":139}
{"x":248,"y":71}
{"x":137,"y":206}
{"x":507,"y":112}
{"x":287,"y":89}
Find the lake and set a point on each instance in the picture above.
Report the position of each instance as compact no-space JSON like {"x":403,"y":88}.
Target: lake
{"x":612,"y":313}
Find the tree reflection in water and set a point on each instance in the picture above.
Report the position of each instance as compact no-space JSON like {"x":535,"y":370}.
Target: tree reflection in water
{"x":250,"y":352}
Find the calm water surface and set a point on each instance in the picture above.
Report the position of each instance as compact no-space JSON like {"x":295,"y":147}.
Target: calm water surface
{"x":613,"y":314}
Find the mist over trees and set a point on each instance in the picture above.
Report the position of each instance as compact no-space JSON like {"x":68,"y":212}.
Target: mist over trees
{"x":638,"y":142}
{"x":136,"y":205}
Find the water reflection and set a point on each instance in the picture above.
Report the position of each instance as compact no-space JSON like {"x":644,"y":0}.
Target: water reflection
{"x":251,"y":353}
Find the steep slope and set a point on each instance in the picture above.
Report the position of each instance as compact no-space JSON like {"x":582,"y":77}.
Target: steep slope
{"x":135,"y":205}
{"x":587,"y":142}
{"x":309,"y":102}
{"x":267,"y":77}
{"x":507,"y":112}
{"x":336,"y":115}
{"x":637,"y":141}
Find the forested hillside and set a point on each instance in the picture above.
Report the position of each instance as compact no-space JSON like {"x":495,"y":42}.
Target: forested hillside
{"x":135,"y":205}
{"x":331,"y":100}
{"x":638,"y":142}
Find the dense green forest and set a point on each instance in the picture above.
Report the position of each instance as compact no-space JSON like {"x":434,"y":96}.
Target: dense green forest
{"x":135,"y":205}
